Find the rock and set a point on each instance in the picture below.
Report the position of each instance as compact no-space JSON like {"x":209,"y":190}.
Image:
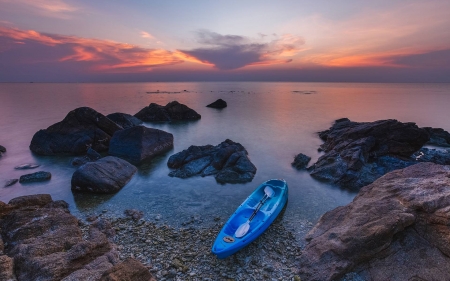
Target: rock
{"x":26,"y":166}
{"x":220,"y":103}
{"x":134,"y":214}
{"x":441,"y":157}
{"x":107,"y":175}
{"x":395,"y":229}
{"x":11,"y":182}
{"x":130,"y":269}
{"x":228,"y":162}
{"x":173,"y":111}
{"x":35,"y":177}
{"x":139,"y":144}
{"x":124,"y":120}
{"x":438,"y":137}
{"x":2,"y":149}
{"x":356,"y":154}
{"x":91,"y":155}
{"x":81,"y":128}
{"x":44,"y":242}
{"x":301,"y":161}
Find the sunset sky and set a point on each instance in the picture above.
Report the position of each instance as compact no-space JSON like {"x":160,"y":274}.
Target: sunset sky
{"x":284,"y":40}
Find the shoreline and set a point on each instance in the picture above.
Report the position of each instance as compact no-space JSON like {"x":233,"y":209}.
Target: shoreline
{"x":185,"y":253}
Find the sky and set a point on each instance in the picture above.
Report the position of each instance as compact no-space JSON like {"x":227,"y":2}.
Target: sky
{"x":200,"y":40}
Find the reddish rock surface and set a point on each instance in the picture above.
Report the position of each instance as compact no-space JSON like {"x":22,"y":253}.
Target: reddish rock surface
{"x":396,"y":228}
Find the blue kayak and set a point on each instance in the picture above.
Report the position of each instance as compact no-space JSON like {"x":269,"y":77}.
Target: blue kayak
{"x":251,"y":218}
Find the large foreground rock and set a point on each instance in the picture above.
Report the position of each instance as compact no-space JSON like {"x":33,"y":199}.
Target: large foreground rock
{"x":173,"y":111}
{"x":42,"y":241}
{"x":80,"y":129}
{"x":397,"y":228}
{"x":107,"y":175}
{"x":138,"y":144}
{"x":228,"y":162}
{"x":356,"y":154}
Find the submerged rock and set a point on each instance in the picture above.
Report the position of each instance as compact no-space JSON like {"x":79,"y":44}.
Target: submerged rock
{"x":44,"y":242}
{"x":107,"y":175}
{"x":395,"y":229}
{"x":301,"y":161}
{"x":2,"y":150}
{"x":11,"y":182}
{"x":80,"y":129}
{"x":124,"y":120}
{"x":138,"y":144}
{"x":173,"y":111}
{"x":220,"y":103}
{"x":26,"y":166}
{"x":356,"y":154}
{"x":34,"y":177}
{"x":134,"y":214}
{"x":228,"y":162}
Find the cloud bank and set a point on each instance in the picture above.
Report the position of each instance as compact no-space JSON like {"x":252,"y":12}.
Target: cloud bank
{"x":227,"y":52}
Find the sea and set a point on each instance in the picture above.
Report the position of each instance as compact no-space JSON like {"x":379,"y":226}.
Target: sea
{"x":274,"y":121}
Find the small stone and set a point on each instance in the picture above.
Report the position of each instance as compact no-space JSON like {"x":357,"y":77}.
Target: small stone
{"x":301,"y":161}
{"x":158,"y":217}
{"x":11,"y":182}
{"x":26,"y":166}
{"x":34,"y":177}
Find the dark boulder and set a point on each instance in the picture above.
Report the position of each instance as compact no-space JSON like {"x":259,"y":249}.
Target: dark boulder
{"x":395,"y":229}
{"x":2,"y":150}
{"x":91,"y":155}
{"x":124,"y":120}
{"x":228,"y":162}
{"x":358,"y":153}
{"x":438,"y":137}
{"x":138,"y":144}
{"x":173,"y":111}
{"x":43,"y":241}
{"x":107,"y":175}
{"x":301,"y":161}
{"x":35,"y":177}
{"x":81,"y":128}
{"x":220,"y":103}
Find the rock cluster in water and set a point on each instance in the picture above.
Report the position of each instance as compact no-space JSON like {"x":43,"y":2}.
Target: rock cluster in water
{"x":41,"y":240}
{"x":396,"y":228}
{"x":106,"y":175}
{"x":300,"y":161}
{"x":356,"y":154}
{"x":138,"y":144}
{"x":228,"y":162}
{"x":220,"y":103}
{"x":173,"y":111}
{"x":80,"y":129}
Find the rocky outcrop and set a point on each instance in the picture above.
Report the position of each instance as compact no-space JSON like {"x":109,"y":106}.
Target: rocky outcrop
{"x":301,"y":161}
{"x":228,"y":162}
{"x":124,"y":120}
{"x":438,"y":137}
{"x":139,"y":144}
{"x":35,"y":177}
{"x":130,"y":269}
{"x":220,"y":103}
{"x":356,"y":154}
{"x":107,"y":175}
{"x":80,"y":129}
{"x":173,"y":111}
{"x":44,"y":242}
{"x":395,"y":229}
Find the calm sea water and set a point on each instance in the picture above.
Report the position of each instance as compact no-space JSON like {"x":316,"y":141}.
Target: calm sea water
{"x":274,"y":121}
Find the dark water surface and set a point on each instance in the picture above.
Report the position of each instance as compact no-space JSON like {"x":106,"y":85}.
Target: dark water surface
{"x":274,"y":121}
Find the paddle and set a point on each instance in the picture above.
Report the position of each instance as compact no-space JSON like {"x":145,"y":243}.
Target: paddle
{"x":243,"y":228}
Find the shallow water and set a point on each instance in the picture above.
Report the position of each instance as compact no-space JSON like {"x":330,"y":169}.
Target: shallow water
{"x":273,"y":121}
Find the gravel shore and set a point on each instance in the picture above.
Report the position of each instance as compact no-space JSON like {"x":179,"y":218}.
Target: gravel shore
{"x":185,"y":253}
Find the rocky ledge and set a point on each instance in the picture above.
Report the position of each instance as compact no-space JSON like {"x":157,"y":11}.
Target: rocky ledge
{"x":173,"y":111}
{"x":41,"y":240}
{"x":396,"y":228}
{"x":356,"y":153}
{"x":80,"y":129}
{"x":228,"y":162}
